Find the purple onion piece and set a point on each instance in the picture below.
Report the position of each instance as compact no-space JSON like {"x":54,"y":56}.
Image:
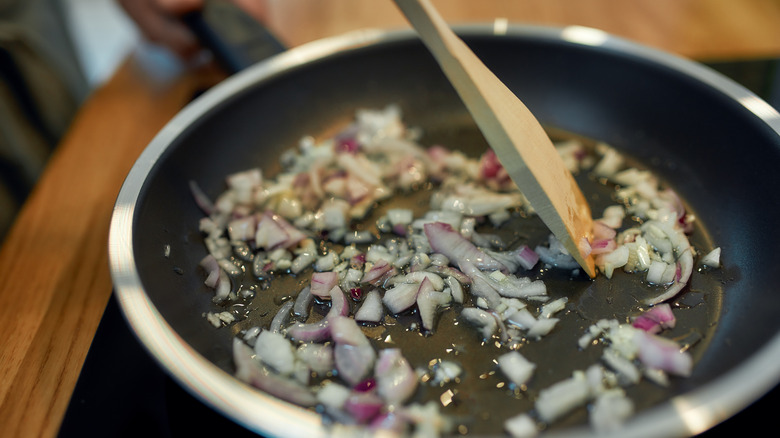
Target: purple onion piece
{"x":664,"y":354}
{"x":445,"y":240}
{"x":363,"y":406}
{"x":203,"y":201}
{"x":312,"y":332}
{"x":323,"y":282}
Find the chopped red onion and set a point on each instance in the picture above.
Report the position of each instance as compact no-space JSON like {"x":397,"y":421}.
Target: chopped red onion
{"x":428,"y":300}
{"x":482,"y":319}
{"x":213,"y":271}
{"x":282,"y":317}
{"x":312,"y":332}
{"x":655,"y":319}
{"x":378,"y":273}
{"x":664,"y":354}
{"x":303,"y":302}
{"x":445,"y":240}
{"x":276,"y":351}
{"x":395,"y":378}
{"x":401,"y":297}
{"x":363,"y":406}
{"x":201,"y":199}
{"x":426,"y":264}
{"x":371,"y":308}
{"x":250,"y":371}
{"x":318,"y":357}
{"x":323,"y":282}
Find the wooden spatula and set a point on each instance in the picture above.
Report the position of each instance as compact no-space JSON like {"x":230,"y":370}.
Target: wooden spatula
{"x":519,"y":141}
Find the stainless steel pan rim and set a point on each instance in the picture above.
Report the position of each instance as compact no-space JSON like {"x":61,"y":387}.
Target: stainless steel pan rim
{"x":688,"y":414}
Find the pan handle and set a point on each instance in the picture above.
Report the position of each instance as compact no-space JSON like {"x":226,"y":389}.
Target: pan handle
{"x":235,"y":39}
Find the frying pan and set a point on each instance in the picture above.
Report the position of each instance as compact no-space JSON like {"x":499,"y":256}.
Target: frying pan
{"x":714,"y":142}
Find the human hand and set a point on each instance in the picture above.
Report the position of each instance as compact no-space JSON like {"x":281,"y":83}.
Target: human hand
{"x":159,"y":20}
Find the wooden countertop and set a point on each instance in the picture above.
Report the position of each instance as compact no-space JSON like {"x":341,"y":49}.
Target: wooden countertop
{"x":53,"y":264}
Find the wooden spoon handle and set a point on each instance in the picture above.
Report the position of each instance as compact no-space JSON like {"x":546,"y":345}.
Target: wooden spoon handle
{"x":518,"y":139}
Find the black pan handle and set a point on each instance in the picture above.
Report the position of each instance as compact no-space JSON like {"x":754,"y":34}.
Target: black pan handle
{"x":235,"y":39}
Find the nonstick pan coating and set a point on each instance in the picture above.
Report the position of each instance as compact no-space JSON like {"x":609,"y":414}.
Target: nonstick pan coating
{"x":715,"y":143}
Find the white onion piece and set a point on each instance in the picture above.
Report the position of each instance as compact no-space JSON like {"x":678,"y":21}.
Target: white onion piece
{"x":449,"y":271}
{"x":223,"y":287}
{"x":213,"y":271}
{"x":655,"y":273}
{"x":445,"y":240}
{"x":521,"y":257}
{"x":401,"y":297}
{"x":610,"y":411}
{"x":522,"y":319}
{"x":436,"y":282}
{"x":250,"y":371}
{"x":282,"y":317}
{"x":390,"y":422}
{"x":242,"y":228}
{"x":395,"y":379}
{"x":608,"y":262}
{"x":353,"y":362}
{"x":686,"y":267}
{"x":542,"y":327}
{"x":516,"y":367}
{"x":303,"y":261}
{"x":482,"y":287}
{"x":562,"y":397}
{"x":712,"y":259}
{"x":521,"y":426}
{"x":333,"y":395}
{"x":621,"y":365}
{"x":456,"y":289}
{"x":428,"y":301}
{"x":553,"y":307}
{"x":556,"y":255}
{"x":303,"y":302}
{"x":276,"y":351}
{"x":354,"y":356}
{"x":482,"y":319}
{"x":400,"y":216}
{"x":339,"y":306}
{"x":318,"y":357}
{"x":371,"y":309}
{"x":273,"y":232}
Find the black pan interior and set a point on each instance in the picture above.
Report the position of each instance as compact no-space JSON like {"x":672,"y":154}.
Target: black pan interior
{"x":720,"y":158}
